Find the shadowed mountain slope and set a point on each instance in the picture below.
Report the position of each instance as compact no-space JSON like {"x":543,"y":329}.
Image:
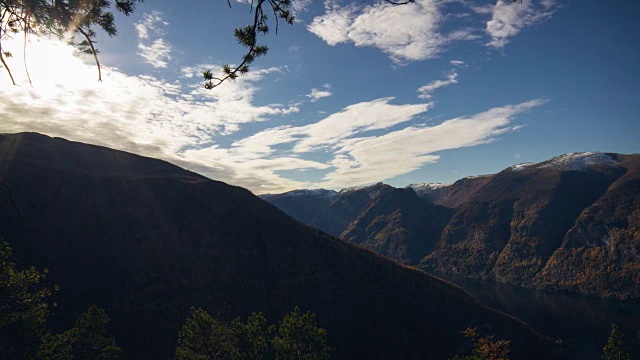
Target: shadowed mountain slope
{"x":346,"y":206}
{"x":147,"y":240}
{"x":398,"y":225}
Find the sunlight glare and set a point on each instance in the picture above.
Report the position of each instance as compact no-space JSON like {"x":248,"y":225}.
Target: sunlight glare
{"x":50,"y":63}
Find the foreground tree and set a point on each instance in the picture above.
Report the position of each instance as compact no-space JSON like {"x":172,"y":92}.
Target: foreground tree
{"x":615,"y":349}
{"x":298,"y":338}
{"x":485,"y":348}
{"x":23,"y":311}
{"x":86,"y":340}
{"x":206,"y":338}
{"x":23,"y":317}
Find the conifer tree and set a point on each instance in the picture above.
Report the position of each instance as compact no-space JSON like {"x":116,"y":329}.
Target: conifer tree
{"x":615,"y":349}
{"x":23,"y":311}
{"x":86,"y":340}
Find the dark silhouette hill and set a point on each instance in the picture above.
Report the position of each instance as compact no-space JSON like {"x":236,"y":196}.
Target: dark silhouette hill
{"x":147,"y":240}
{"x":567,"y":224}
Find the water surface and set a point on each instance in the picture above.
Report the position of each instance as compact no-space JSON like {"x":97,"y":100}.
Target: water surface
{"x":584,"y":321}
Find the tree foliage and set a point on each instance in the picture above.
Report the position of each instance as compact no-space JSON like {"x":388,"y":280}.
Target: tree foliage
{"x":86,"y":340}
{"x":23,"y":311}
{"x":615,"y":348}
{"x":297,"y":338}
{"x":485,"y":348}
{"x":23,"y":317}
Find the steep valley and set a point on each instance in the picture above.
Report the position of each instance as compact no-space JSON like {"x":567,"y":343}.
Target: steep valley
{"x":568,"y":224}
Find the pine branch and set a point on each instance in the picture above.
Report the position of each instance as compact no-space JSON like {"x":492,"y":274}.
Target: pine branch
{"x":93,"y":51}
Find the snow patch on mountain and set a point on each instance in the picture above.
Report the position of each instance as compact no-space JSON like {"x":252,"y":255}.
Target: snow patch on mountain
{"x":472,"y":177}
{"x":427,"y":186}
{"x":519,"y":167}
{"x":357,"y":188}
{"x":579,"y":161}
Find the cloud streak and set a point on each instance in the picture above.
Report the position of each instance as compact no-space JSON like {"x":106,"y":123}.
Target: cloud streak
{"x":427,"y":90}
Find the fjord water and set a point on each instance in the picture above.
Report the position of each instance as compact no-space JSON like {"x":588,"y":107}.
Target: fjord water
{"x":585,"y":322}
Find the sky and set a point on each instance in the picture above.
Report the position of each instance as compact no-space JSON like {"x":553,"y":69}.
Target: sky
{"x":353,"y":93}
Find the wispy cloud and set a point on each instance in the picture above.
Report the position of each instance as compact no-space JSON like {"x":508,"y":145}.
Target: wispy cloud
{"x":508,"y":19}
{"x":426,"y":90}
{"x":300,"y":6}
{"x":353,"y":120}
{"x":151,"y":45}
{"x":400,"y":152}
{"x":357,"y":155}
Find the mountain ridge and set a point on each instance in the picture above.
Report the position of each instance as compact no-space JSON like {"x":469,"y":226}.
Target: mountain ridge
{"x":518,"y":225}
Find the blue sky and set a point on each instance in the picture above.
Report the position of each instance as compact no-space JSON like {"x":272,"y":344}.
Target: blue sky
{"x":352,"y":93}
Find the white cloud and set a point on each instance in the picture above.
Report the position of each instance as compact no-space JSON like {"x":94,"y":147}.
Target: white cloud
{"x":426,"y":90}
{"x":157,"y":54}
{"x":149,"y":25}
{"x":357,"y":158}
{"x":457,"y":62}
{"x":258,"y":156}
{"x":508,"y":19}
{"x":317,"y":94}
{"x":152,"y":47}
{"x":333,"y":27}
{"x":406,"y":33}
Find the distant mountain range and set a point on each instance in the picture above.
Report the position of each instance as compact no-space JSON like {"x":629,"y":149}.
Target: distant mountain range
{"x":571,"y":223}
{"x":147,"y":240}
